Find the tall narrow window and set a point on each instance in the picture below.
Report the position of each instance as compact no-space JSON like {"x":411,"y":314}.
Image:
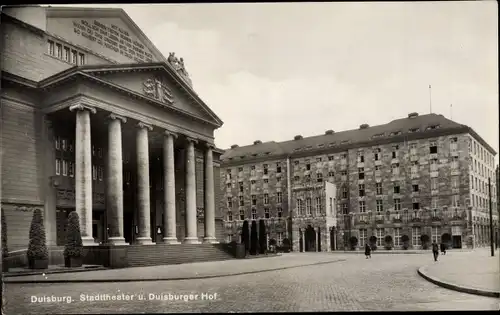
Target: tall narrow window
{"x":378,"y":187}
{"x":50,"y":48}
{"x":67,"y":54}
{"x":58,"y":167}
{"x":64,"y":168}
{"x":362,"y":206}
{"x":380,"y":206}
{"x":74,"y":57}
{"x":81,"y":60}
{"x":279,"y":197}
{"x":308,"y":206}
{"x":318,"y":205}
{"x":71,"y":169}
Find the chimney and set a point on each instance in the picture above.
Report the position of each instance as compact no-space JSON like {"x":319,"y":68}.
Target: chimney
{"x":257,"y":142}
{"x":329,"y":132}
{"x":364,"y":126}
{"x":298,"y":137}
{"x":412,"y":115}
{"x":234,"y":146}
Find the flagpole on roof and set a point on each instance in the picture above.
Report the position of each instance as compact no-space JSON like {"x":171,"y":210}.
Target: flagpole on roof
{"x":430,"y":99}
{"x":451,"y":111}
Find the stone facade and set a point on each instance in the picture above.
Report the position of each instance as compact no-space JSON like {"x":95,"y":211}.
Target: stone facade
{"x":414,"y":185}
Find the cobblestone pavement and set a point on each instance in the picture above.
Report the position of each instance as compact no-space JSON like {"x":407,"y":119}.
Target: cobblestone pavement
{"x":385,"y":282}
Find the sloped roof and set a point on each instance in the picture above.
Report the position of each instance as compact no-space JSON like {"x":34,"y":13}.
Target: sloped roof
{"x":410,"y":125}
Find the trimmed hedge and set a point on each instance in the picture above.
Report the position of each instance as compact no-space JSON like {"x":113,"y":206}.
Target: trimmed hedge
{"x":388,"y":242}
{"x":405,"y":239}
{"x":37,"y":248}
{"x":74,"y":245}
{"x":353,"y":241}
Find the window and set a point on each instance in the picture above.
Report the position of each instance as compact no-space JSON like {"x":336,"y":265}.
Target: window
{"x":396,"y":188}
{"x":413,"y":149}
{"x":280,"y":212}
{"x":308,"y":178}
{"x":50,"y":47}
{"x":395,"y":168}
{"x":254,"y":213}
{"x":361,"y":157}
{"x":296,"y":178}
{"x":434,"y":184}
{"x":240,"y":184}
{"x":58,"y":143}
{"x":64,"y":168}
{"x":278,"y":168}
{"x":330,"y":158}
{"x":279,"y":197}
{"x":344,"y":192}
{"x":343,"y":175}
{"x":228,"y":174}
{"x":229,"y":238}
{"x":361,"y":190}
{"x":397,"y":236}
{"x":67,"y":54}
{"x":380,"y":237}
{"x":59,"y":51}
{"x":434,"y":203}
{"x":415,"y":236}
{"x":455,"y":201}
{"x":433,"y":149}
{"x":319,"y":159}
{"x":435,"y":234}
{"x":380,"y":206}
{"x":454,"y":182}
{"x":362,"y":206}
{"x":376,"y":154}
{"x":230,"y":216}
{"x":94,"y":172}
{"x":300,"y":207}
{"x":453,"y":144}
{"x":278,"y":179}
{"x":454,"y":162}
{"x":415,"y":187}
{"x":331,"y":205}
{"x":414,"y":167}
{"x":416,"y":206}
{"x":266,"y":199}
{"x":74,"y":57}
{"x":266,"y":182}
{"x":265,"y":169}
{"x":308,"y":166}
{"x":318,"y":205}
{"x":397,"y":204}
{"x":229,"y":202}
{"x":100,"y":173}
{"x":71,"y":169}
{"x":266,"y":213}
{"x":361,"y":173}
{"x":81,"y":60}
{"x":331,"y":174}
{"x":228,"y":185}
{"x":319,"y":177}
{"x":395,"y":151}
{"x":242,"y":214}
{"x":345,"y":208}
{"x":280,"y":238}
{"x":58,"y":167}
{"x":308,"y":206}
{"x":362,"y":237}
{"x":434,"y":165}
{"x":242,"y":202}
{"x":378,"y":188}
{"x":254,"y":200}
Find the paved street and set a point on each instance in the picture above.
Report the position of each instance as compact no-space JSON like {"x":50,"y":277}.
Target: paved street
{"x":385,"y":282}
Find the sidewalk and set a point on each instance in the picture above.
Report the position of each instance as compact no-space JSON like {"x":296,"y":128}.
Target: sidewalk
{"x":474,"y":273}
{"x":200,"y":270}
{"x":398,"y":251}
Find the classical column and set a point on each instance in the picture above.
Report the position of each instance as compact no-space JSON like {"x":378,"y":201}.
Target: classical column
{"x":209,"y":197}
{"x":83,"y":171}
{"x":316,"y":240}
{"x":303,"y":240}
{"x":114,"y":176}
{"x":143,"y":193}
{"x":170,"y":221}
{"x":191,"y":224}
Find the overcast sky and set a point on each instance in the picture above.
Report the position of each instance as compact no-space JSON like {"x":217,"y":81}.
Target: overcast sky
{"x":272,"y":71}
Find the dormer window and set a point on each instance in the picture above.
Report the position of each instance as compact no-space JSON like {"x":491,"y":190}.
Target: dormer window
{"x":432,"y":127}
{"x":395,"y":133}
{"x":378,"y":135}
{"x":412,"y":130}
{"x":345,"y":141}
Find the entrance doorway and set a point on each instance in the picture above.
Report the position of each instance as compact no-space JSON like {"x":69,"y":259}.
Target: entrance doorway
{"x":456,"y":241}
{"x":332,"y":239}
{"x":310,"y":236}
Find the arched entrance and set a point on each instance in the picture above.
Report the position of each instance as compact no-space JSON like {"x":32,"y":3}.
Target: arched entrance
{"x":310,"y":239}
{"x":254,"y":239}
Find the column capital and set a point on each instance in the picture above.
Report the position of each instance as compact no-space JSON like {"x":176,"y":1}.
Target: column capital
{"x":144,"y":125}
{"x":209,"y":145}
{"x":170,"y":133}
{"x":190,"y":139}
{"x":113,"y":116}
{"x":81,"y":107}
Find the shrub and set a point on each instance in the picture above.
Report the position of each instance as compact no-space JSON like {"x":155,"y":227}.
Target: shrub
{"x":5,"y":250}
{"x":373,"y":242}
{"x":74,"y":246}
{"x":37,"y":248}
{"x":353,"y":241}
{"x":272,"y":242}
{"x":425,"y":241}
{"x":388,"y":242}
{"x":262,"y":237}
{"x":245,"y":235}
{"x":254,"y":238}
{"x":286,"y":245}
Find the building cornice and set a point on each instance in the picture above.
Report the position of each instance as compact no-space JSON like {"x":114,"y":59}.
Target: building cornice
{"x":476,"y":136}
{"x":7,"y":18}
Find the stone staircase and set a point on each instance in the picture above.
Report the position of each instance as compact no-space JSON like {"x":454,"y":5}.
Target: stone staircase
{"x":162,"y":254}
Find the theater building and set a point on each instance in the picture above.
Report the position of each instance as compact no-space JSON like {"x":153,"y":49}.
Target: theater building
{"x":96,"y":119}
{"x":421,"y":176}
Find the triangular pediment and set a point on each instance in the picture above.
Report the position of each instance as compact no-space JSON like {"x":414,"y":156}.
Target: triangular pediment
{"x":108,"y":32}
{"x":156,"y":83}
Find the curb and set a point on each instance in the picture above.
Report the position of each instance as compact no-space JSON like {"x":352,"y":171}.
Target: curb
{"x":456,"y":287}
{"x":52,"y":272}
{"x":6,"y":280}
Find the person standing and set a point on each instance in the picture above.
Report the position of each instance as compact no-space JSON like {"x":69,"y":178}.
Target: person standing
{"x":368,"y":251}
{"x":435,"y":250}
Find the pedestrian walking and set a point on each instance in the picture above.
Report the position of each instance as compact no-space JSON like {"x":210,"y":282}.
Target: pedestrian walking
{"x":435,"y":250}
{"x":368,"y":251}
{"x":443,"y":248}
